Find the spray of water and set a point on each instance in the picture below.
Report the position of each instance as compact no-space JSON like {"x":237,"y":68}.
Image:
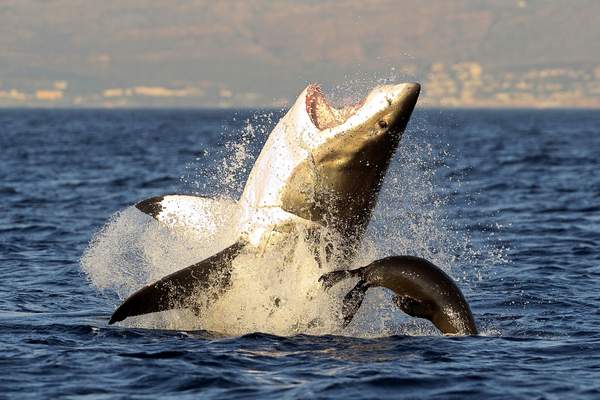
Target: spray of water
{"x":278,"y":292}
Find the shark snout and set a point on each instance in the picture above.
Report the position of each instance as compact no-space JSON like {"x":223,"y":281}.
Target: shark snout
{"x":401,"y":100}
{"x":404,"y":96}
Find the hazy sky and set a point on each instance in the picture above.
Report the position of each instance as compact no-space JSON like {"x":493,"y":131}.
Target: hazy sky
{"x":262,"y":52}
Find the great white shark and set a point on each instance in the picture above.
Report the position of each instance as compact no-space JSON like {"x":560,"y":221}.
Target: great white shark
{"x":319,"y":172}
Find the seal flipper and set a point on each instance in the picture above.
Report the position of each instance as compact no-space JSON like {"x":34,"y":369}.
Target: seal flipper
{"x":353,"y":300}
{"x":175,"y":290}
{"x":330,"y":279}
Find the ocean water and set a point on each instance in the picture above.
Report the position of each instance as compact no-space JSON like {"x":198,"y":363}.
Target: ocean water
{"x":507,"y":201}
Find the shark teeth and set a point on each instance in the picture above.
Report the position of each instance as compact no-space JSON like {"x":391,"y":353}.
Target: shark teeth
{"x":322,"y":114}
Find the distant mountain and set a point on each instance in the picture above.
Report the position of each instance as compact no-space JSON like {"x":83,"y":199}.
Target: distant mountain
{"x":264,"y":51}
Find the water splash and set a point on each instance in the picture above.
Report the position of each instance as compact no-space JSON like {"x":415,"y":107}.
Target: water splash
{"x":234,"y":159}
{"x":279,"y":292}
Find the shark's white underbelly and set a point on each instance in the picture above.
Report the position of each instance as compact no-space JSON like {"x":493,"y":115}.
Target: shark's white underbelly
{"x":259,"y":226}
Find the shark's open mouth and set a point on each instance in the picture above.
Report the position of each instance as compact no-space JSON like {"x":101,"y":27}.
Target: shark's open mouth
{"x":323,"y":114}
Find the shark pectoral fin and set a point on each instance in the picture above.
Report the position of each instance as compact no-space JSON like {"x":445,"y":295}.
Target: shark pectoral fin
{"x":176,"y":290}
{"x":181,"y":209}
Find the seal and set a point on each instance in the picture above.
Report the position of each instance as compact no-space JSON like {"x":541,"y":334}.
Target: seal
{"x":320,"y":171}
{"x":422,"y":289}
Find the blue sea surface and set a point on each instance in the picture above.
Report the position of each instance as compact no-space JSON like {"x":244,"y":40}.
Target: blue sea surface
{"x":525,"y":183}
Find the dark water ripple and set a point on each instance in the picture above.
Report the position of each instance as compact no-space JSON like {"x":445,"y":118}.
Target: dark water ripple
{"x":525,"y":181}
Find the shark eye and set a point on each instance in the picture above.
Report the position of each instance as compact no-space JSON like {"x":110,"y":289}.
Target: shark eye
{"x":382,"y":124}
